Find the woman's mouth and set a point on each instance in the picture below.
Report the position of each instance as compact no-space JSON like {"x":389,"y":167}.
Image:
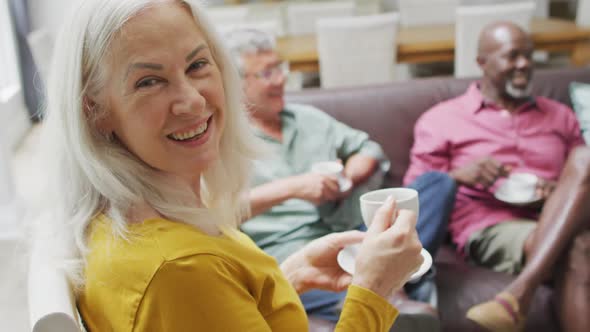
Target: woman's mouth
{"x":191,"y":135}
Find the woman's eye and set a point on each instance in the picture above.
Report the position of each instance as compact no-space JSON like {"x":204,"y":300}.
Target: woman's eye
{"x":147,"y":82}
{"x":197,"y":65}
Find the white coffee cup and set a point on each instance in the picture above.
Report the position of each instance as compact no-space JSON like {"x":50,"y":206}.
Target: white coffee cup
{"x":406,"y":199}
{"x":331,"y":168}
{"x":521,"y":186}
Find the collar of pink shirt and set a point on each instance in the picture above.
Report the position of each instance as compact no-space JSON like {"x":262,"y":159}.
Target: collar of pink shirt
{"x":476,"y":101}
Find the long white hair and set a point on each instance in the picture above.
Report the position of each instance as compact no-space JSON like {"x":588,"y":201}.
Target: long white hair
{"x":92,"y":174}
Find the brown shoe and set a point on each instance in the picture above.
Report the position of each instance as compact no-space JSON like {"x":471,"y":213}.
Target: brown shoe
{"x":414,"y":316}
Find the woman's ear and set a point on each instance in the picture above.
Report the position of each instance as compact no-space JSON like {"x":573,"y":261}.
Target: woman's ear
{"x":88,"y":105}
{"x":97,"y":116}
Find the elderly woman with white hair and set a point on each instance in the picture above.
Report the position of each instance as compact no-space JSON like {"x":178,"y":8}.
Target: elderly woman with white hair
{"x":150,"y":152}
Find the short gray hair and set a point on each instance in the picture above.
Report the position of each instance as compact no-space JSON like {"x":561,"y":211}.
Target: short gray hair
{"x":241,"y":41}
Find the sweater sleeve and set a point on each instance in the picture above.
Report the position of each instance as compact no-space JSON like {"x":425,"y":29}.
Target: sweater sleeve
{"x":198,"y":293}
{"x":365,"y":311}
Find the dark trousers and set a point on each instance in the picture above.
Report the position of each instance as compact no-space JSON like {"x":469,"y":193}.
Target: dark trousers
{"x":437,"y":196}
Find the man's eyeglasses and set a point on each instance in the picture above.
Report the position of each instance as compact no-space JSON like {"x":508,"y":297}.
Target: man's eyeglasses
{"x":270,"y":74}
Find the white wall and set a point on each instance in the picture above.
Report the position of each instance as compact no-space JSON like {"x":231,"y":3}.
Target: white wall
{"x":14,"y":123}
{"x":49,"y":14}
{"x":14,"y":120}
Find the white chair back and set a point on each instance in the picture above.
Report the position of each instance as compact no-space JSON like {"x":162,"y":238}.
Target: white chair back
{"x":583,"y":13}
{"x":268,"y":12}
{"x":271,"y":27}
{"x":542,"y":8}
{"x":51,"y":302}
{"x":302,"y":17}
{"x":390,"y":5}
{"x":427,"y":12}
{"x":470,"y":22}
{"x":357,"y":50}
{"x":224,"y":17}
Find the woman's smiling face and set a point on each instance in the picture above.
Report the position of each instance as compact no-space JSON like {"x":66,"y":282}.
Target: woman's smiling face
{"x":164,"y":92}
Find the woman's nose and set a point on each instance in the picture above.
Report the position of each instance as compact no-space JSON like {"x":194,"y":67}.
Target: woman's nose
{"x":188,"y":100}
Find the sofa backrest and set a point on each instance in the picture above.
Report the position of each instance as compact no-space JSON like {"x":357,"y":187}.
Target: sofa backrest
{"x":388,"y":112}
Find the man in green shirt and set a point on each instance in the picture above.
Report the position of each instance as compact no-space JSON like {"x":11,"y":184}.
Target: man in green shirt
{"x":291,"y":205}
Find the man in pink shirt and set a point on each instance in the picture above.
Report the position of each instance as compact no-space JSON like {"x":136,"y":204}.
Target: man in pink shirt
{"x":496,"y":128}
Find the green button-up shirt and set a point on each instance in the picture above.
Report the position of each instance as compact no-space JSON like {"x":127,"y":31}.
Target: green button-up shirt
{"x":309,"y":136}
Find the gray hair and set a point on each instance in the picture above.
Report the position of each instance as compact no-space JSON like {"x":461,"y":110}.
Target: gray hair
{"x":241,"y":41}
{"x":91,"y":174}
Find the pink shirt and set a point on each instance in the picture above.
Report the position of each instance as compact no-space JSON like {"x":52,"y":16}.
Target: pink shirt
{"x":535,"y":139}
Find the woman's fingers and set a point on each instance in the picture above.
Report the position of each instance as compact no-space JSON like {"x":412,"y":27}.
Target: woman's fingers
{"x":344,"y":239}
{"x":404,"y":222}
{"x":392,"y":252}
{"x":383,"y":217}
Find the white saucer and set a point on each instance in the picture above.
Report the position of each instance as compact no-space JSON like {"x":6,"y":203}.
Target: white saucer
{"x":346,"y":258}
{"x":345,"y":184}
{"x":512,"y":200}
{"x":511,"y":191}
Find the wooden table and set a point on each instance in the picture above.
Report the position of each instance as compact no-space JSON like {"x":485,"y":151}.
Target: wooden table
{"x":437,"y":43}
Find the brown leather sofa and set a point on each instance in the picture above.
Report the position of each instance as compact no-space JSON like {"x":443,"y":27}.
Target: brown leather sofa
{"x":388,"y":113}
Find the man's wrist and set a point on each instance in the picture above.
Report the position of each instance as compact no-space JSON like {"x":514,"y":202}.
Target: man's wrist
{"x":292,"y":185}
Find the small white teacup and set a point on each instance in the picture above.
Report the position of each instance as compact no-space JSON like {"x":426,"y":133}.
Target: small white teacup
{"x":332,"y":168}
{"x":406,"y":199}
{"x":521,"y":186}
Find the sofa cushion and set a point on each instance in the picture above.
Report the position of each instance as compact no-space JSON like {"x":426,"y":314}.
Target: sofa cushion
{"x":580,"y":95}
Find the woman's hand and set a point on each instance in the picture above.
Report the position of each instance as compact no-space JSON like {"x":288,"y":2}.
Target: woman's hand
{"x":390,"y":253}
{"x":315,"y":266}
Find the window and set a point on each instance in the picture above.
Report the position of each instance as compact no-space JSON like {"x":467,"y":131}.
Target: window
{"x":9,"y":77}
{"x":14,"y":121}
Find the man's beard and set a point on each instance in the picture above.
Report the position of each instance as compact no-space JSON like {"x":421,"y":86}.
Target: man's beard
{"x":518,"y":93}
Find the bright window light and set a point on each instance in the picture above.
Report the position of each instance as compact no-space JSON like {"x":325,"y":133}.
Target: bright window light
{"x":9,"y":79}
